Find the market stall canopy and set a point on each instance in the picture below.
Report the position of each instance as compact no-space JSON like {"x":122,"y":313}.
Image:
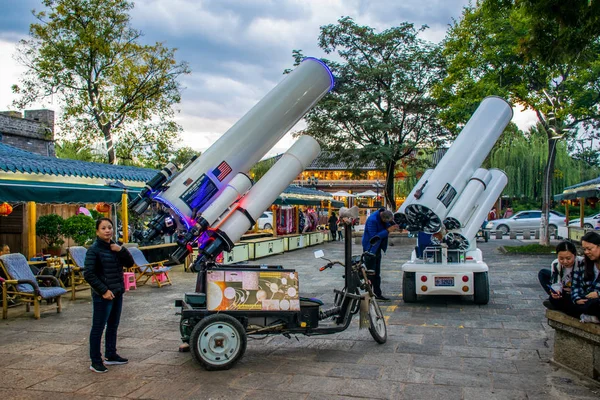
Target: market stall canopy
{"x":341,"y":193}
{"x":585,"y":189}
{"x":368,"y":193}
{"x":60,"y":193}
{"x":297,"y":195}
{"x":26,"y":176}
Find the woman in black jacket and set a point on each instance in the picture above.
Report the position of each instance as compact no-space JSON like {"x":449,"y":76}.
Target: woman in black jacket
{"x":103,"y":270}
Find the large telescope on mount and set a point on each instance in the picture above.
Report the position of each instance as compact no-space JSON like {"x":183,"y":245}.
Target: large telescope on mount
{"x":202,"y":194}
{"x":457,"y":194}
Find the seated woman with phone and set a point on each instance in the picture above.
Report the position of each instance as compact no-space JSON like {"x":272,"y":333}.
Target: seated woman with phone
{"x":558,"y":280}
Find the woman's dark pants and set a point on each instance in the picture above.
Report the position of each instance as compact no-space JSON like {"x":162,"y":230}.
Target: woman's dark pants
{"x":564,"y":303}
{"x":106,"y":313}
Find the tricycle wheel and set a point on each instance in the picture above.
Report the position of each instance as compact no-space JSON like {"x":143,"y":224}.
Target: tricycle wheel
{"x":185,"y":329}
{"x":218,"y":342}
{"x":409,"y":290}
{"x":377,"y":326}
{"x":481,"y":293}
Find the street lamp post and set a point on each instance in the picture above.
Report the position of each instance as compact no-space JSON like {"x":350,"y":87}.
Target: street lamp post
{"x":377,"y":185}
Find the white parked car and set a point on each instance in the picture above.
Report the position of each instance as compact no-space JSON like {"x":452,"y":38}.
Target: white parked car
{"x":530,"y":219}
{"x":265,"y":221}
{"x":588,"y":222}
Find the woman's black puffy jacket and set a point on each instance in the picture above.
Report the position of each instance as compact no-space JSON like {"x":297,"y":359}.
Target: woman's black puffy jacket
{"x":104,"y":268}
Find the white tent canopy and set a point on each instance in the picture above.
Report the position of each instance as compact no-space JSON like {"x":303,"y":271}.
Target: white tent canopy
{"x":368,"y":193}
{"x":341,"y":193}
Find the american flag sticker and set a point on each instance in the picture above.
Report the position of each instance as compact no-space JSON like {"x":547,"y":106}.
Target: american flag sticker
{"x":222,"y":171}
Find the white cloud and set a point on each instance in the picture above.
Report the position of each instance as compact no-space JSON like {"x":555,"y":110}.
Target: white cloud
{"x":187,"y":19}
{"x":238,"y":50}
{"x":10,"y":72}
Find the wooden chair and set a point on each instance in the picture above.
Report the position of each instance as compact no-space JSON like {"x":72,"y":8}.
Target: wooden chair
{"x":76,"y":258}
{"x":22,"y":285}
{"x":147,"y":269}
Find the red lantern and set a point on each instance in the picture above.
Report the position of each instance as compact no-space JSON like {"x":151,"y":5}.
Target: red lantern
{"x":103,"y":207}
{"x":5,"y":209}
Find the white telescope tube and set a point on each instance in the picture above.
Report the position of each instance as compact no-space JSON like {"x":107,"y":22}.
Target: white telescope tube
{"x":461,"y":239}
{"x":235,"y":189}
{"x":411,"y":196}
{"x":248,"y":140}
{"x":266,"y":190}
{"x":466,"y":154}
{"x":464,"y":206}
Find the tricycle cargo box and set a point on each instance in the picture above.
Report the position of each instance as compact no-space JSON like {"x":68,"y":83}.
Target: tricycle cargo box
{"x":195,"y":299}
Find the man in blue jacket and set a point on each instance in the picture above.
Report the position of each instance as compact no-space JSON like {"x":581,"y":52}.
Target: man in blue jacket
{"x":380,"y":223}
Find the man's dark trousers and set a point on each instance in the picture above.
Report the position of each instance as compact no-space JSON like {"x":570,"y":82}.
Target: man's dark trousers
{"x":374,"y":264}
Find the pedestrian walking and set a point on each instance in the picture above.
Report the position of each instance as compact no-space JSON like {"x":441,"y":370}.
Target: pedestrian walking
{"x":333,"y":221}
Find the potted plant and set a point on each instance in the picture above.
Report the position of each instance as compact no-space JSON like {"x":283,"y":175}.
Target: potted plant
{"x":80,"y":228}
{"x":49,"y":229}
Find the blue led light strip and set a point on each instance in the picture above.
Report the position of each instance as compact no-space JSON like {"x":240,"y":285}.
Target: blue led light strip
{"x":326,"y":68}
{"x":184,"y":218}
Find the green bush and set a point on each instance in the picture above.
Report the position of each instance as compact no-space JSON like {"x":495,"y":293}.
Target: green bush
{"x":533,"y":248}
{"x":49,"y":229}
{"x":80,"y":228}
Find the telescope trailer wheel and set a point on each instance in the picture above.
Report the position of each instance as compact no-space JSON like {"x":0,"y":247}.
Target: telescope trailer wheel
{"x":409,"y":289}
{"x":481,"y":288}
{"x":377,"y":328}
{"x":218,"y":342}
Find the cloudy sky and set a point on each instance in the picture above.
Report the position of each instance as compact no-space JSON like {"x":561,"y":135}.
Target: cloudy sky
{"x":237,"y":49}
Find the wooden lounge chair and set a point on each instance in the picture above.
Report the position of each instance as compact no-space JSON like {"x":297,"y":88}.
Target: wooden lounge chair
{"x":23,"y":285}
{"x":147,"y":269}
{"x":76,"y":257}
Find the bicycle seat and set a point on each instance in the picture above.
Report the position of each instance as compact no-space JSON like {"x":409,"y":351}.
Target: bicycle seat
{"x":311,"y":300}
{"x":370,"y":272}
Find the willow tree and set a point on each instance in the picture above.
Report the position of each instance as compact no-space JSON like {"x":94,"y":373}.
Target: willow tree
{"x":541,"y":55}
{"x":110,"y":86}
{"x":524,"y":159}
{"x":381,"y":107}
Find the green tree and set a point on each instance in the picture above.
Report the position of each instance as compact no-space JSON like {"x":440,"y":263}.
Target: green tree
{"x":183,"y":155}
{"x":75,"y":150}
{"x":524,"y":159}
{"x":584,"y":149}
{"x":381,"y":107}
{"x":49,"y":229}
{"x":80,"y":228}
{"x":261,"y":168}
{"x":528,"y":55}
{"x":111,"y":87}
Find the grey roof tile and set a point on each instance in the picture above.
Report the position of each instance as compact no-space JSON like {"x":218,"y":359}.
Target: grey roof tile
{"x":16,"y":160}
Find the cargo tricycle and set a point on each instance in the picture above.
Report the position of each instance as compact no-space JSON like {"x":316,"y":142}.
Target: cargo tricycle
{"x":237,"y":302}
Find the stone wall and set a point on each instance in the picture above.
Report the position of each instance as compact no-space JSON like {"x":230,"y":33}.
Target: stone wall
{"x":34,"y":132}
{"x":576,"y":345}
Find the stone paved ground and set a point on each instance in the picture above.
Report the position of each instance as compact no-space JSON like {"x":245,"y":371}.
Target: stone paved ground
{"x":441,"y":348}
